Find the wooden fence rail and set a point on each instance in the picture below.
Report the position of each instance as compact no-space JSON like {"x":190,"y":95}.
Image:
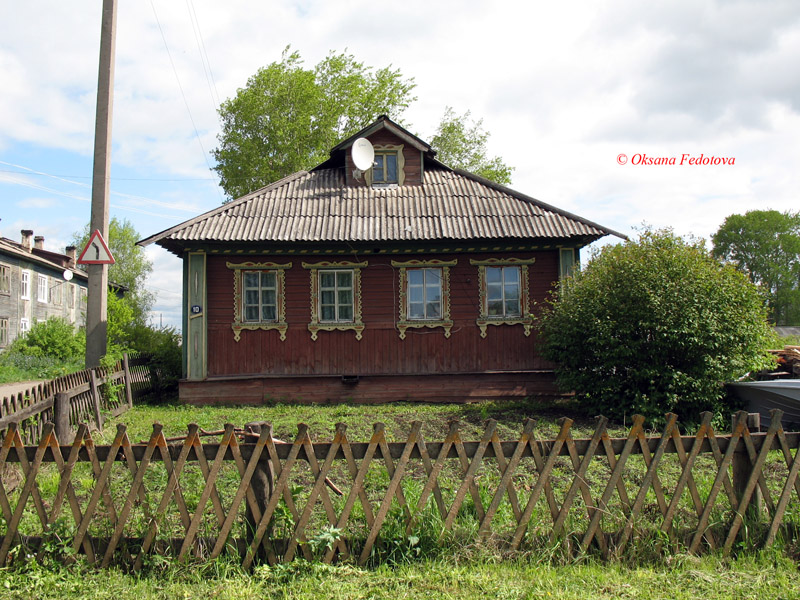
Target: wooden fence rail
{"x":260,"y":499}
{"x":82,"y":395}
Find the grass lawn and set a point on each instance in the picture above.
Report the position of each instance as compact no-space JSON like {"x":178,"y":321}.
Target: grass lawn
{"x":469,"y":570}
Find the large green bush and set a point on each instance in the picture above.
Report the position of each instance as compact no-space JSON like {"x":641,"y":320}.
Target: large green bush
{"x":654,"y":325}
{"x":50,"y":349}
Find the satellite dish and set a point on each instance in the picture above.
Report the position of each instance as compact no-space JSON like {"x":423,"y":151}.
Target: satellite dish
{"x":363,"y":154}
{"x":67,"y":275}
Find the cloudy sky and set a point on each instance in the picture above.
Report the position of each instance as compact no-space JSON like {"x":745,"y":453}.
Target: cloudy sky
{"x":568,"y":90}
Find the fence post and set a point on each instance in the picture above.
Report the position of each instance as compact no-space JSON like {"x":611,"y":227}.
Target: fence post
{"x":742,"y":468}
{"x":98,"y":416}
{"x":127,"y":375}
{"x":61,"y":408}
{"x":263,"y":477}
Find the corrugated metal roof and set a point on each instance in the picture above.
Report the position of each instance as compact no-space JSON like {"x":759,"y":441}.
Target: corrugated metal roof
{"x":317,"y":206}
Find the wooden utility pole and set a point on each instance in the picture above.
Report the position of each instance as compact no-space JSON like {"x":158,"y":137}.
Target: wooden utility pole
{"x":97,"y":307}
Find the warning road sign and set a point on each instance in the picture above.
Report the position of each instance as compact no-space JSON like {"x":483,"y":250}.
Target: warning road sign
{"x":96,"y":251}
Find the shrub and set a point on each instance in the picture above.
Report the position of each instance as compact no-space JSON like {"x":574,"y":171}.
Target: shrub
{"x":55,"y":337}
{"x":652,"y":326}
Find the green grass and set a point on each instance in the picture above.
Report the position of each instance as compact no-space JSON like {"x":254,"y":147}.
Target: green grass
{"x":760,"y":576}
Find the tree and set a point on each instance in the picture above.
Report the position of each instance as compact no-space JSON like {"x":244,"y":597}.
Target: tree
{"x":288,"y":117}
{"x":655,"y":325}
{"x":765,"y":244}
{"x":461,"y":144}
{"x":131,"y":267}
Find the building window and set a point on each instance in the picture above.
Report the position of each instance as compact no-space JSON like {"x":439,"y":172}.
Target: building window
{"x":259,"y":297}
{"x":42,"y":288}
{"x":56,"y":293}
{"x":503,"y":291}
{"x":24,"y":326}
{"x":567,"y":262}
{"x":3,"y":332}
{"x":70,"y":296}
{"x":335,"y":297}
{"x":25,"y":285}
{"x":424,"y":294}
{"x":387,"y":167}
{"x":5,"y":279}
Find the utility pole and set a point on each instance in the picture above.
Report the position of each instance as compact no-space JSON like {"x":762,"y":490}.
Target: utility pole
{"x":97,"y":306}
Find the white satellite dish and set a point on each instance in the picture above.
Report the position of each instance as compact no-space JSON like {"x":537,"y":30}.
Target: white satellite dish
{"x":363,"y":154}
{"x":67,"y":275}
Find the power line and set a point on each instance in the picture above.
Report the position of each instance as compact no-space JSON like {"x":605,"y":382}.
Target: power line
{"x":183,"y":95}
{"x":201,"y":48}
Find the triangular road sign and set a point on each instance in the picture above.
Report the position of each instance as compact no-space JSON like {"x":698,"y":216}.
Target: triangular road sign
{"x":96,"y":251}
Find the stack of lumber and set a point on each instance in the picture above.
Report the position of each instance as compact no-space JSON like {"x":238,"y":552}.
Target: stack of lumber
{"x":788,"y":362}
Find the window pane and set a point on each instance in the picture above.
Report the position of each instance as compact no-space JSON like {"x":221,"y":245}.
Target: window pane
{"x":377,"y":169}
{"x":345,"y":313}
{"x":251,"y":297}
{"x":495,"y":308}
{"x":415,"y":295}
{"x":268,"y":313}
{"x":494,"y":275}
{"x":416,"y":310}
{"x":328,"y":313}
{"x":251,"y":280}
{"x":434,"y":310}
{"x":344,"y":279}
{"x":511,"y":274}
{"x":512,"y":308}
{"x":328,"y":297}
{"x":268,"y":297}
{"x":415,"y":276}
{"x":268,"y":280}
{"x":494,"y":292}
{"x":391,"y":168}
{"x":345,"y":298}
{"x":327,"y":279}
{"x":251,"y":313}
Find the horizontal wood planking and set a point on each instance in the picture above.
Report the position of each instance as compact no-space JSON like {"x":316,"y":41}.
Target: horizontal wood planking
{"x":380,"y":351}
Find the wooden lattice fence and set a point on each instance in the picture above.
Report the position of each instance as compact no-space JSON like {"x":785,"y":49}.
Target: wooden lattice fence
{"x":263,"y":500}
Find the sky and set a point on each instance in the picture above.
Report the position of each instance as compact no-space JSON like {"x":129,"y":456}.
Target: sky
{"x":586,"y":100}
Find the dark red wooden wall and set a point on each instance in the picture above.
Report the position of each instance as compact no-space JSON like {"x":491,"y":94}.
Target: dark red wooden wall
{"x":380,"y":351}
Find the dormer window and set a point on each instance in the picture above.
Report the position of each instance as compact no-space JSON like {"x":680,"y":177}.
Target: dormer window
{"x":384,"y":169}
{"x":387,"y":167}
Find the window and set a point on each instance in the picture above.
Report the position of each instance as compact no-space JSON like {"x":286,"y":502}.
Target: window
{"x":5,"y":279}
{"x":42,"y":288}
{"x":424,"y":294}
{"x":503,"y":291}
{"x":56,"y":293}
{"x":25,"y":285}
{"x":387,"y":167}
{"x":384,"y":169}
{"x":3,"y":332}
{"x":259,"y":298}
{"x":70,"y":295}
{"x":24,"y":326}
{"x":335,"y":297}
{"x":567,"y":262}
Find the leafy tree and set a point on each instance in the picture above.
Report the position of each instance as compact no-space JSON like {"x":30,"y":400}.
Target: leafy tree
{"x":288,"y":117}
{"x":654,"y":325}
{"x":461,"y":144}
{"x":765,"y":244}
{"x":131,"y":267}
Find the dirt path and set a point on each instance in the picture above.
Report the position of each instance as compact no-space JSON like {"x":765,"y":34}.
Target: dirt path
{"x":9,"y":389}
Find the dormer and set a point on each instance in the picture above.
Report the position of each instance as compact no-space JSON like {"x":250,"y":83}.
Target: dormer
{"x":399,"y":157}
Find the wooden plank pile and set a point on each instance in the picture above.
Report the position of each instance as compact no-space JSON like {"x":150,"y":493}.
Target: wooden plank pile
{"x":788,"y":362}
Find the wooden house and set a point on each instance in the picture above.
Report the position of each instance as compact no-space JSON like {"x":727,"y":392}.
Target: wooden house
{"x":409,"y":280}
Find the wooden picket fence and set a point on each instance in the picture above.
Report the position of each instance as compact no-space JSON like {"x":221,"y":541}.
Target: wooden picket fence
{"x":131,"y":378}
{"x":250,"y":496}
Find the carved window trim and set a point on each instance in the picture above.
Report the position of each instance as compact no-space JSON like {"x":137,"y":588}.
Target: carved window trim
{"x":484,"y":320}
{"x":401,"y":163}
{"x":239,"y":324}
{"x":316,"y":325}
{"x":404,"y":323}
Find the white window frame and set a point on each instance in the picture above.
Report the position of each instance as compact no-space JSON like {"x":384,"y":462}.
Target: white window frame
{"x":4,"y":329}
{"x":337,"y":289}
{"x":503,"y":285}
{"x":437,"y":275}
{"x":405,"y":323}
{"x":383,"y":150}
{"x":317,"y":324}
{"x":485,"y":319}
{"x":25,"y":285}
{"x":239,"y":323}
{"x":42,"y":283}
{"x":24,"y":326}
